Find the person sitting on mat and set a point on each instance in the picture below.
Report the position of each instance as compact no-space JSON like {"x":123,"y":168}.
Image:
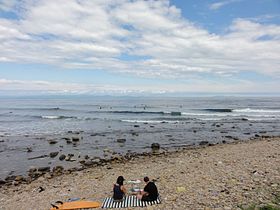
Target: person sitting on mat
{"x":150,"y":192}
{"x":118,"y":189}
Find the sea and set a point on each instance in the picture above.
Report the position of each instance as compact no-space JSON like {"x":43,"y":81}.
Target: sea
{"x":123,"y":125}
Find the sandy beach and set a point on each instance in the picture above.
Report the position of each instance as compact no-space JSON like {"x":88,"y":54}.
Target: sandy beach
{"x":224,"y":176}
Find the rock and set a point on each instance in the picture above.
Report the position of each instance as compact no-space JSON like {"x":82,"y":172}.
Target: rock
{"x":68,"y":142}
{"x":88,"y":163}
{"x":244,"y":119}
{"x":2,"y":182}
{"x":121,"y":140}
{"x":53,"y":154}
{"x":57,"y":169}
{"x":19,"y":178}
{"x":86,"y":157}
{"x":32,"y":169}
{"x":52,"y":142}
{"x":155,"y":146}
{"x":203,"y":143}
{"x":44,"y":169}
{"x":10,"y":178}
{"x":75,"y":139}
{"x":257,"y":135}
{"x":62,"y":157}
{"x":29,"y":149}
{"x":136,"y":126}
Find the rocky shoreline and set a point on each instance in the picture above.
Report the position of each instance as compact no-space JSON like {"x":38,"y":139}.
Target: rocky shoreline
{"x":110,"y":156}
{"x":222,"y":176}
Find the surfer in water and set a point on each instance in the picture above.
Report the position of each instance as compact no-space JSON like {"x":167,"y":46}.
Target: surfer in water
{"x":118,"y":189}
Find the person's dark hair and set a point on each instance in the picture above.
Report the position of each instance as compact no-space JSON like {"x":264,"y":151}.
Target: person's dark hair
{"x":120,"y":180}
{"x":146,"y":179}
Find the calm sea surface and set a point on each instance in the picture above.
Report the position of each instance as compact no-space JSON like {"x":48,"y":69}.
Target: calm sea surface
{"x":29,"y":124}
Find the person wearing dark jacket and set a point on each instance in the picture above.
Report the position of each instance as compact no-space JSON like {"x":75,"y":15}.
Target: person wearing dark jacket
{"x":118,"y":189}
{"x":150,"y":192}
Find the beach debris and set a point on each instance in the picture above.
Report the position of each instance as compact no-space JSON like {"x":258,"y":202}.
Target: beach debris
{"x":53,"y":154}
{"x":37,"y":157}
{"x":155,"y":146}
{"x":180,"y":189}
{"x":41,"y":189}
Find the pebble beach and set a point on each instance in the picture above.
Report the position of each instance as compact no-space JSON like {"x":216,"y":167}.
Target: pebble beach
{"x":223,"y":176}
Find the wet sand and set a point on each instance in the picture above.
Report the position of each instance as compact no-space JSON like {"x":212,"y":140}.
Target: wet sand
{"x":223,"y":176}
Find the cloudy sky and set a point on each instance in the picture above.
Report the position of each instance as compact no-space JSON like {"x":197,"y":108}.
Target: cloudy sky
{"x":132,"y":47}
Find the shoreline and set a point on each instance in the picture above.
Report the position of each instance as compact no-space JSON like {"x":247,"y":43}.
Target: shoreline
{"x":222,"y":176}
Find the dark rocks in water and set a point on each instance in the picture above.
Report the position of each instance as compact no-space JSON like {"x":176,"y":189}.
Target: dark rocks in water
{"x":10,"y":178}
{"x":52,"y":141}
{"x":68,"y":141}
{"x":86,"y":157}
{"x":136,"y":126}
{"x":2,"y":182}
{"x":1,"y":141}
{"x":155,"y":146}
{"x":224,"y":141}
{"x":262,"y":132}
{"x":69,"y":131}
{"x":75,"y":139}
{"x":77,"y":132}
{"x":44,"y":169}
{"x":32,"y":170}
{"x":29,"y":149}
{"x":53,"y":154}
{"x":151,"y":126}
{"x":244,"y":119}
{"x":223,"y":132}
{"x":233,"y":127}
{"x":247,"y":133}
{"x":62,"y":157}
{"x":88,"y":163}
{"x":218,"y":126}
{"x":194,"y":131}
{"x":204,"y":143}
{"x":257,"y":135}
{"x":134,"y":134}
{"x":228,"y":137}
{"x":121,"y":140}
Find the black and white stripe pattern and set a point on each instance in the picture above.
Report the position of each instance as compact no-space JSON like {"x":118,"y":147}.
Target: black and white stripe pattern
{"x":129,"y":201}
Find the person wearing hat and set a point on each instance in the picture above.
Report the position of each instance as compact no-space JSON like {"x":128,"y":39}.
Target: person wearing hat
{"x":150,"y":192}
{"x":118,"y":189}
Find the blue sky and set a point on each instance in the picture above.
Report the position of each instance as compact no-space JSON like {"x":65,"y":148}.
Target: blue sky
{"x":131,"y":47}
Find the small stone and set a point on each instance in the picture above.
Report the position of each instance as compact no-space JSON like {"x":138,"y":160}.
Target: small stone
{"x":52,"y":142}
{"x":62,"y":157}
{"x":155,"y":146}
{"x":53,"y":154}
{"x":121,"y":140}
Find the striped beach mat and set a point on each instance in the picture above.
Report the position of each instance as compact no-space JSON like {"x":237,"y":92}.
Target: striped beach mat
{"x":128,"y":201}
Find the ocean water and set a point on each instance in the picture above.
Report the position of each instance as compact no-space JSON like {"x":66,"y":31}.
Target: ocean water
{"x":30,"y":122}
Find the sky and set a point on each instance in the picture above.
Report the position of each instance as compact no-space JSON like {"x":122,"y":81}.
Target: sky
{"x":136,"y":47}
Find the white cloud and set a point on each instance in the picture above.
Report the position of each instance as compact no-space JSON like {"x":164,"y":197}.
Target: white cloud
{"x":219,"y":4}
{"x":101,"y":34}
